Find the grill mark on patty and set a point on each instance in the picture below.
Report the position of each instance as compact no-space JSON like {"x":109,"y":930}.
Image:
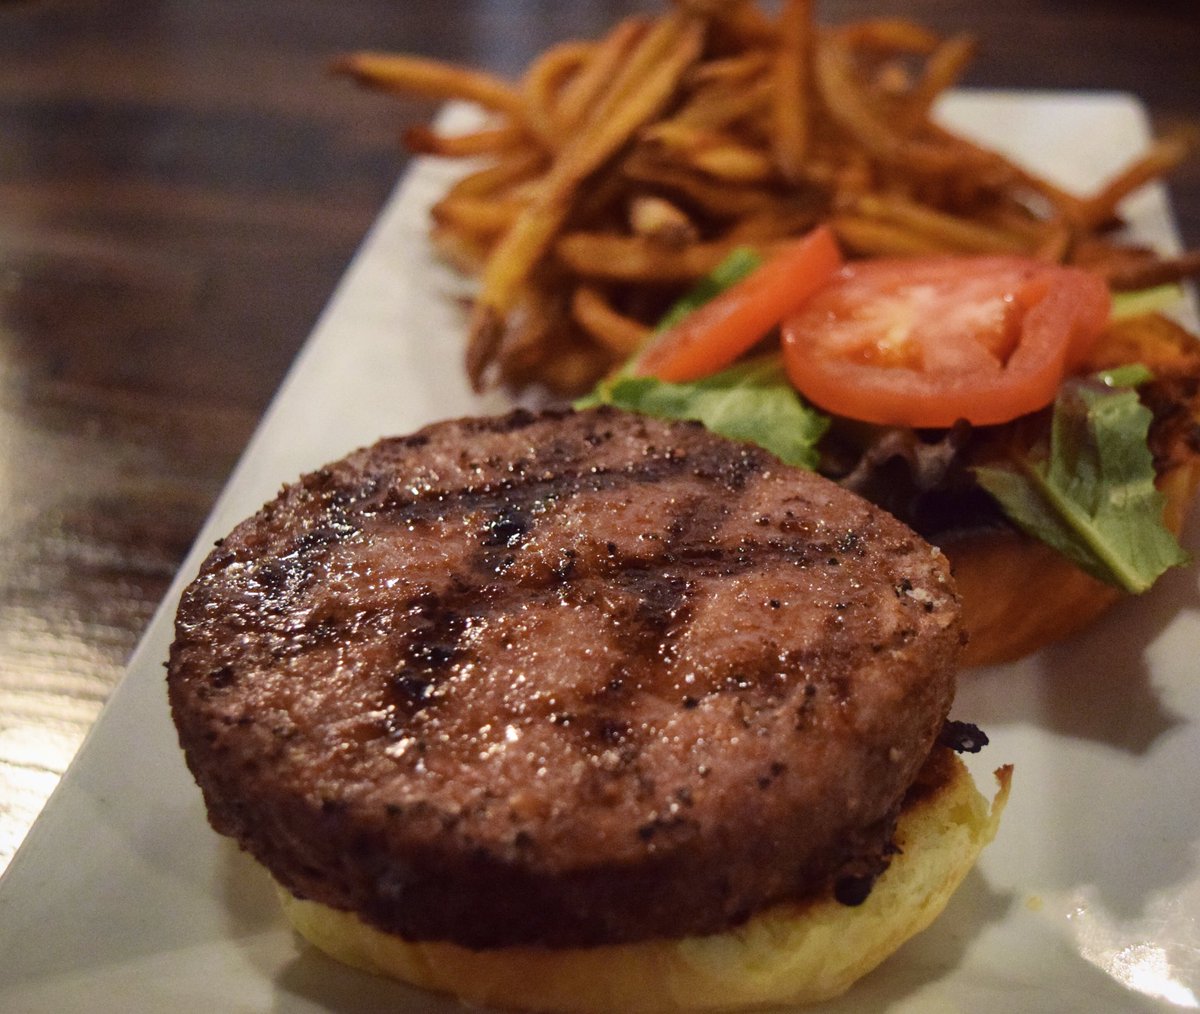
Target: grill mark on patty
{"x":660,"y":592}
{"x":533,"y":489}
{"x":428,"y":628}
{"x":428,"y":652}
{"x":512,"y":505}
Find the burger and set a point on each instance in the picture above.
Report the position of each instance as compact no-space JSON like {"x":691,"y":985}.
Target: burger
{"x":585,"y":711}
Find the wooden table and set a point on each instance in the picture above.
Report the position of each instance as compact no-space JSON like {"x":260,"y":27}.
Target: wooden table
{"x":181,"y":185}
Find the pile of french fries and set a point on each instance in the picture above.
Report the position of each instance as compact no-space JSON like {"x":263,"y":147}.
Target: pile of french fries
{"x":616,"y":172}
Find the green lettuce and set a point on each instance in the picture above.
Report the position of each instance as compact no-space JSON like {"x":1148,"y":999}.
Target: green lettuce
{"x":1090,"y":492}
{"x":1153,"y":300}
{"x":752,"y":402}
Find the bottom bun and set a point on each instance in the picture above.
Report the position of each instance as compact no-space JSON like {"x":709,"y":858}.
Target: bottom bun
{"x":791,"y":953}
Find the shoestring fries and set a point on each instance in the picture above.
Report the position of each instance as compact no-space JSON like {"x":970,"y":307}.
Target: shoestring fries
{"x":617,"y":171}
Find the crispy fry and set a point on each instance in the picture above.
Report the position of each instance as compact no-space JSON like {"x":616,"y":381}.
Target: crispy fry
{"x":715,"y":108}
{"x":1156,"y":271}
{"x":790,"y":83}
{"x":715,"y":154}
{"x":849,"y":105}
{"x":890,"y":35}
{"x":481,"y":217}
{"x":731,"y":70}
{"x":571,"y":370}
{"x":944,"y":67}
{"x":755,"y":230}
{"x":1054,"y":244}
{"x":621,"y":335}
{"x":735,"y":163}
{"x":431,"y":78}
{"x":636,"y":259}
{"x":637,"y":94}
{"x":869,"y":237}
{"x":518,"y":168}
{"x":582,"y":91}
{"x":739,"y":25}
{"x":717,"y":199}
{"x":1163,"y":156}
{"x":659,"y":220}
{"x":952,"y":232}
{"x":466,"y":253}
{"x":543,"y":83}
{"x":422,"y":140}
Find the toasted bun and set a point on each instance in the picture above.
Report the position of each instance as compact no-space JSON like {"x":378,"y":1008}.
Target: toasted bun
{"x":794,"y":953}
{"x":1018,"y":594}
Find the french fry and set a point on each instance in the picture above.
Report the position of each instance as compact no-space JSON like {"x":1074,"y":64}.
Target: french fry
{"x":1155,"y":271}
{"x":791,"y":108}
{"x":739,"y":25}
{"x":542,"y":86}
{"x":715,"y":154}
{"x":850,"y":107}
{"x":519,"y":168}
{"x":661,"y":221}
{"x":730,"y":70}
{"x":620,"y":335}
{"x":603,"y":255}
{"x":581,"y":93}
{"x":716,"y":199}
{"x":479,"y":217}
{"x":869,"y":237}
{"x":1101,"y":208}
{"x":1055,"y":242}
{"x":571,"y":369}
{"x":779,"y":222}
{"x":422,"y":140}
{"x":890,"y":35}
{"x":944,"y":230}
{"x":636,"y":95}
{"x":943,"y":68}
{"x":715,"y":108}
{"x":464,"y":252}
{"x":432,"y":79}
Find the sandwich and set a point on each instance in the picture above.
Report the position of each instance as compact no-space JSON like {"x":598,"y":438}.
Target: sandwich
{"x":584,"y":710}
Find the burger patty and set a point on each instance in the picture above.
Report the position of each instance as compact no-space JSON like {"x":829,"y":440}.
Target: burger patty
{"x":563,"y":679}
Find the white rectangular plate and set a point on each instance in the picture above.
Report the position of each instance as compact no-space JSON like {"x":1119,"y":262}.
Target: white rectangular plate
{"x":122,"y":899}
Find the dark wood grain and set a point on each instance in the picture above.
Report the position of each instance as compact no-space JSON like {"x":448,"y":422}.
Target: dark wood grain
{"x":181,"y":185}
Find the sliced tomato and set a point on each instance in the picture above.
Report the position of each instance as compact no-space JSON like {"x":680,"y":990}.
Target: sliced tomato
{"x":927,"y":341}
{"x":714,"y":336}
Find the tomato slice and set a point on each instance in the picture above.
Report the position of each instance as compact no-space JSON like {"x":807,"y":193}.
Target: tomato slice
{"x":714,"y":336}
{"x":927,"y":341}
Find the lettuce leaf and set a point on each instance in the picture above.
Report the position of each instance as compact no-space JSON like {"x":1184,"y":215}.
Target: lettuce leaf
{"x":1090,"y":493}
{"x":1140,"y":301}
{"x":751,"y":401}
